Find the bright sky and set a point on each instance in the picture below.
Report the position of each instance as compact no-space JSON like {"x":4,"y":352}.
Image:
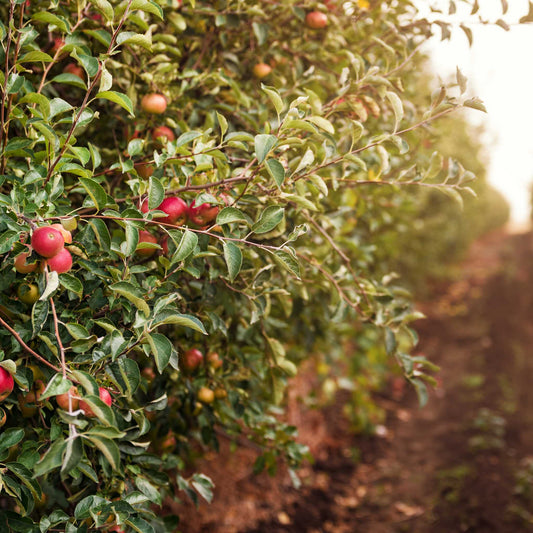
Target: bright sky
{"x":500,"y":72}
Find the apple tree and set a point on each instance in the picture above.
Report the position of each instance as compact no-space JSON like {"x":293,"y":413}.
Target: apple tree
{"x":195,"y":197}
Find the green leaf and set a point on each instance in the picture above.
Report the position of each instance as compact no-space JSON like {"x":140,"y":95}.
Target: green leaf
{"x":233,"y":257}
{"x":139,"y":525}
{"x":129,"y":246}
{"x":102,"y":411}
{"x":179,"y":319}
{"x":276,"y":170}
{"x":263,"y":145}
{"x":102,"y":233}
{"x":133,"y":294}
{"x":475,"y":103}
{"x":105,"y":8}
{"x":125,"y":373}
{"x":95,"y":191}
{"x":161,"y":349}
{"x":69,"y":79}
{"x":10,"y":437}
{"x":187,"y":137}
{"x":52,"y":459}
{"x":73,"y":454}
{"x":118,"y":98}
{"x":71,"y":283}
{"x":288,"y":261}
{"x":58,"y":106}
{"x":269,"y":219}
{"x":51,"y":286}
{"x":229,"y":215}
{"x":50,"y":18}
{"x":204,"y":486}
{"x":186,"y":246}
{"x":275,"y":98}
{"x":108,"y":448}
{"x":149,"y":490}
{"x":156,"y":193}
{"x":57,"y":385}
{"x":129,"y":37}
{"x":397,"y":107}
{"x":36,"y":56}
{"x":323,"y":124}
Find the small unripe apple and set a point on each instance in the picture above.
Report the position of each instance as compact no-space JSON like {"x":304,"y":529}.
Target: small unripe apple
{"x":206,"y":395}
{"x":262,"y":70}
{"x":144,"y":170}
{"x":220,"y":393}
{"x":316,"y":20}
{"x":148,"y":373}
{"x":164,"y":133}
{"x":3,"y":417}
{"x":154,"y":103}
{"x":6,"y":383}
{"x":63,"y":399}
{"x":20,"y":263}
{"x":28,"y":293}
{"x":192,"y":359}
{"x":72,"y":68}
{"x":214,"y":360}
{"x":61,"y":262}
{"x":202,"y":214}
{"x":47,"y":241}
{"x":67,"y":236}
{"x":146,"y":236}
{"x":105,"y":396}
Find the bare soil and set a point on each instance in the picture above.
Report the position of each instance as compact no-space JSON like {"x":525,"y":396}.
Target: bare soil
{"x":463,"y":463}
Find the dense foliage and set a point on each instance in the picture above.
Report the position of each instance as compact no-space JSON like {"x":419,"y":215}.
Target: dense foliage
{"x":298,"y":153}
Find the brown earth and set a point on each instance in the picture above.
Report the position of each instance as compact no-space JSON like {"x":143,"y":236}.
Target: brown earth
{"x":463,"y":463}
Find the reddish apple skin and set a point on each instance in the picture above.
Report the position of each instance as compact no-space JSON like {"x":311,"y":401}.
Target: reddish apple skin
{"x":316,"y":20}
{"x":214,"y":360}
{"x":72,"y":68}
{"x":164,"y":246}
{"x":20,"y":263}
{"x":6,"y":384}
{"x":262,"y":70}
{"x":61,"y":262}
{"x":47,"y":241}
{"x":63,"y":402}
{"x":175,"y":208}
{"x":154,"y":103}
{"x":163,"y":131}
{"x":67,"y":236}
{"x":192,"y":359}
{"x":146,"y":236}
{"x":105,"y":396}
{"x":202,"y":214}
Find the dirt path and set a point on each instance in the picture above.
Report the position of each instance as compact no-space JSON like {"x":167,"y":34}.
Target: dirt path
{"x":464,"y":463}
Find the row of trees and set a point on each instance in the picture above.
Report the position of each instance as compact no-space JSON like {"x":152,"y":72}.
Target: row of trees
{"x":234,"y":184}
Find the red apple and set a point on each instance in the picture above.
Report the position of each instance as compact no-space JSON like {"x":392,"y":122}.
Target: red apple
{"x":316,"y":20}
{"x":146,"y":236}
{"x":164,"y":245}
{"x":63,"y":399}
{"x":262,"y":70}
{"x":47,"y":241}
{"x":27,"y":404}
{"x":61,"y":262}
{"x":6,"y":383}
{"x":67,"y":236}
{"x":72,"y":68}
{"x":202,"y":214}
{"x":57,"y":44}
{"x":174,"y":207}
{"x":163,"y":132}
{"x":20,"y":263}
{"x":192,"y":359}
{"x":154,"y":103}
{"x":105,"y":396}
